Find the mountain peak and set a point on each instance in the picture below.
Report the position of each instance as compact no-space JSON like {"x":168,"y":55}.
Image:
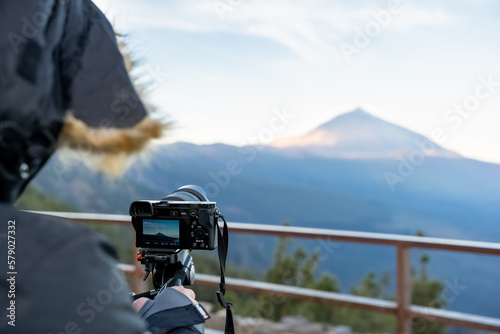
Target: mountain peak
{"x":359,"y":134}
{"x":356,"y":116}
{"x":357,"y":111}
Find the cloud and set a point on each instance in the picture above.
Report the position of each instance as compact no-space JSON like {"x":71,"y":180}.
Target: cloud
{"x":414,"y":16}
{"x":310,"y":29}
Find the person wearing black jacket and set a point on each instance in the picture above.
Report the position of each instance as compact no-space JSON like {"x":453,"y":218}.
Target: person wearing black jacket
{"x":63,"y":83}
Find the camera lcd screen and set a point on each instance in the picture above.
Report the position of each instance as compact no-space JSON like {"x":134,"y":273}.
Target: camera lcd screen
{"x":161,"y":230}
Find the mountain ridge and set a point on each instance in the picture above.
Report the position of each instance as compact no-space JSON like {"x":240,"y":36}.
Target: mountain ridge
{"x":359,"y":134}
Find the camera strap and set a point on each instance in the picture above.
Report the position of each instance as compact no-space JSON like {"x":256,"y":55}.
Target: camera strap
{"x":222,"y":248}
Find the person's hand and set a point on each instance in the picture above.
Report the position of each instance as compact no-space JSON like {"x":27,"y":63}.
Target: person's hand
{"x":188,"y":292}
{"x":172,"y":309}
{"x":139,"y":303}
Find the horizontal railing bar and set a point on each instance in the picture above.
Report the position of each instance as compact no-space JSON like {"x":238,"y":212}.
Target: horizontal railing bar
{"x":281,"y":291}
{"x":88,"y":217}
{"x":455,"y":318}
{"x":212,"y":331}
{"x":369,"y":237}
{"x":479,"y":247}
{"x":129,"y":269}
{"x":446,"y":317}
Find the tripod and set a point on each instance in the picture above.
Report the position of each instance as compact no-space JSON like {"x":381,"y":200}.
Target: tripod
{"x":169,"y":268}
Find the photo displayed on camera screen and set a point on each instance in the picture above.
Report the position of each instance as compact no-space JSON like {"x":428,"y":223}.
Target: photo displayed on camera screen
{"x":161,"y":230}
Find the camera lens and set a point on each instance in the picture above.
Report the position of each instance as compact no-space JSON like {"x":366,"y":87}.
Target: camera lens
{"x":189,"y":193}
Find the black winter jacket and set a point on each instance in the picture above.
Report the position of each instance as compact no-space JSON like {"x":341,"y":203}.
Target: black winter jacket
{"x":55,"y":56}
{"x":60,"y":278}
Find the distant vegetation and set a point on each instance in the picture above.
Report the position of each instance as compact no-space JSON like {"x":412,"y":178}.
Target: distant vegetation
{"x":32,"y":199}
{"x":298,"y":268}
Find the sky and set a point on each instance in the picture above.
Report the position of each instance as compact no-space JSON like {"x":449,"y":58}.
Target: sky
{"x":246,"y":72}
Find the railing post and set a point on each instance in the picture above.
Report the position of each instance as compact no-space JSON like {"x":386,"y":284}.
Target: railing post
{"x":403,"y":268}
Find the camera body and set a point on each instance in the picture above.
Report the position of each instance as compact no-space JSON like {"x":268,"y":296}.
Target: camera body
{"x":172,"y":225}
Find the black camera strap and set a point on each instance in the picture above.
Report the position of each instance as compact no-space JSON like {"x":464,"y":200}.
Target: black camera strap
{"x":222,"y":248}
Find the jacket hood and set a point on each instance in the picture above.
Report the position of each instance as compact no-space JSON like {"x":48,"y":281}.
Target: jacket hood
{"x":63,"y":82}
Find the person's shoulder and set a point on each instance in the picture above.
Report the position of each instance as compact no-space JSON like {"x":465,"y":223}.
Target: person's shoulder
{"x":65,"y":274}
{"x":38,"y":232}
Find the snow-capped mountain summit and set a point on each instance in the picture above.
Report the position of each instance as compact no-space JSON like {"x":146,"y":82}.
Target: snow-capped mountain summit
{"x":358,"y":134}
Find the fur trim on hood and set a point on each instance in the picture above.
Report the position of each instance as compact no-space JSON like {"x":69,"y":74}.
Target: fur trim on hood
{"x":108,"y":149}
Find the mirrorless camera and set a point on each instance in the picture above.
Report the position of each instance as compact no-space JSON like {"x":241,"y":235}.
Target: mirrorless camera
{"x":184,"y":219}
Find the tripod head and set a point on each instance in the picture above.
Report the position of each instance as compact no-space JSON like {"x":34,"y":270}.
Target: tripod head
{"x":168,"y":268}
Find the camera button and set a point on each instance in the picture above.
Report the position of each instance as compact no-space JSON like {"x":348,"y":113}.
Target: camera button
{"x":199,"y":234}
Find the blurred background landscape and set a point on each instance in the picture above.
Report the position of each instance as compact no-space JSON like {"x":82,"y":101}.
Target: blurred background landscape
{"x":346,"y":185}
{"x":362,"y":116}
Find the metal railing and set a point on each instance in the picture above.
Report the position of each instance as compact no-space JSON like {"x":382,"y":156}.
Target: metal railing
{"x":401,"y":308}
